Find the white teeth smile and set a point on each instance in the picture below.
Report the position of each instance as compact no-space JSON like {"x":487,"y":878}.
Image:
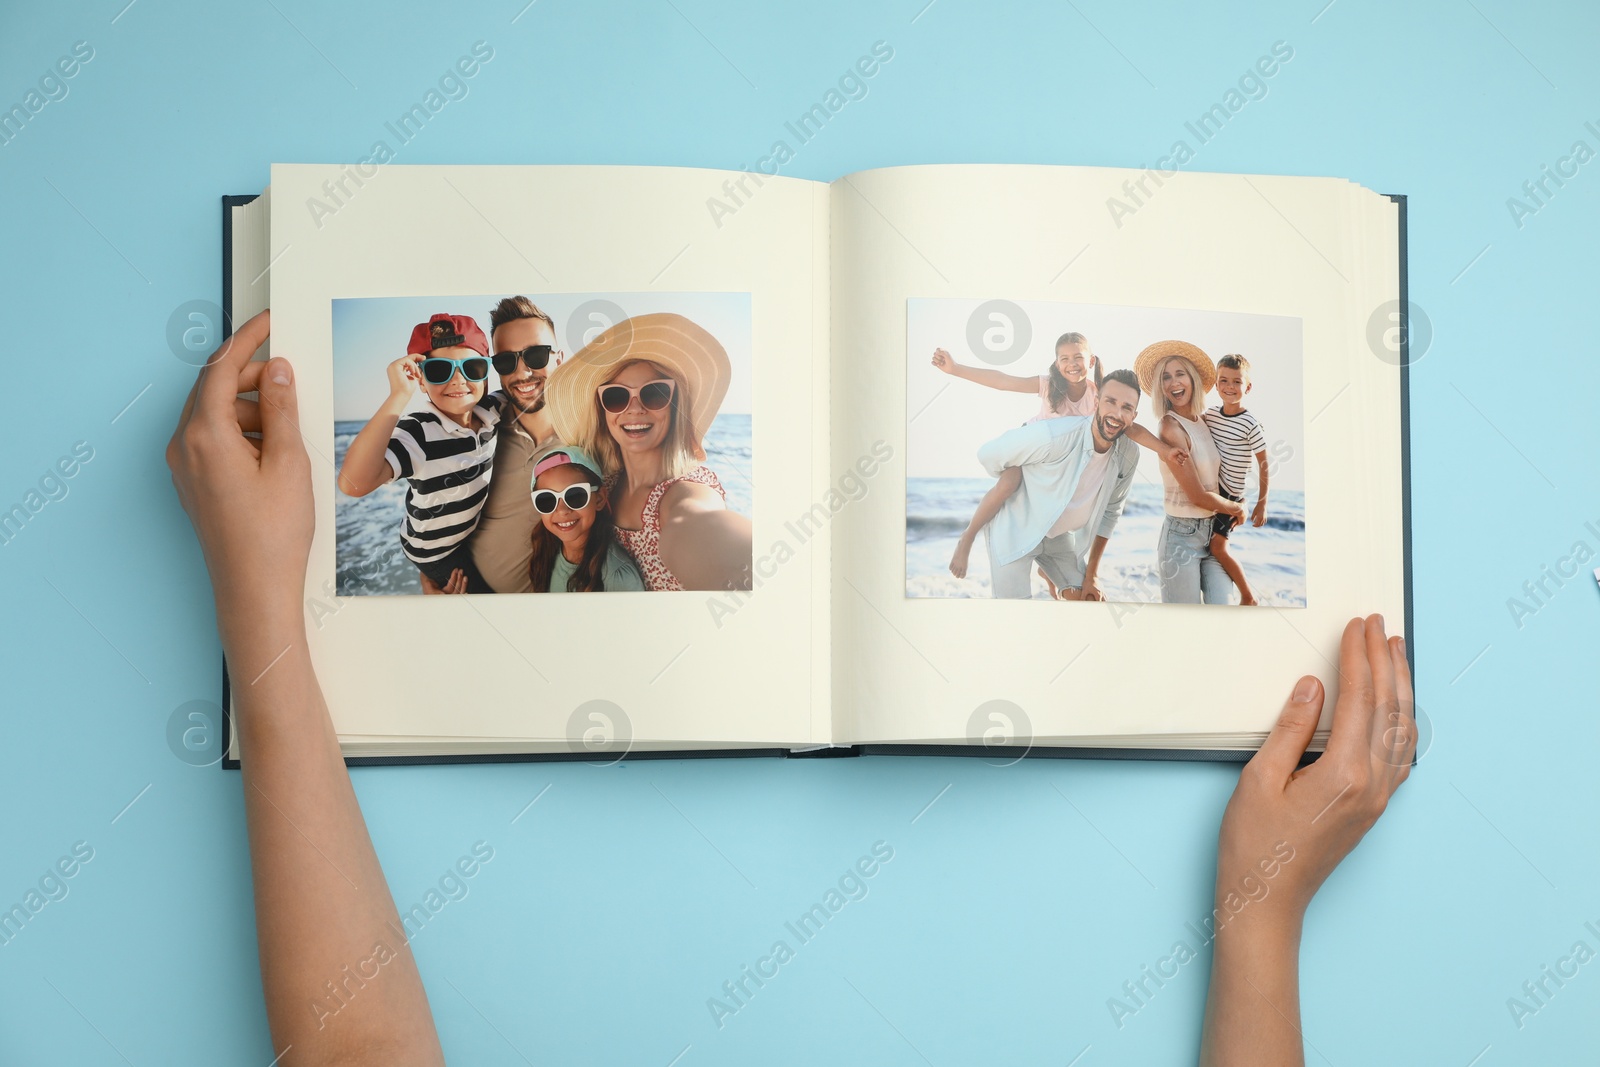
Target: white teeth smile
{"x":566,"y":525}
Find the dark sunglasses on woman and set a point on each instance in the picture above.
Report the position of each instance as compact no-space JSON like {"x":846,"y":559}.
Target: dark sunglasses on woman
{"x":436,"y":370}
{"x":653,"y":395}
{"x":534,"y":357}
{"x":576,"y":497}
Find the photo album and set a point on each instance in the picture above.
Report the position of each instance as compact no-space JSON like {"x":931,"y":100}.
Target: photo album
{"x":982,"y":460}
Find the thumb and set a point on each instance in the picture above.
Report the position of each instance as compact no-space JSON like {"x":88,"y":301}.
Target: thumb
{"x":280,"y":413}
{"x":1297,"y":722}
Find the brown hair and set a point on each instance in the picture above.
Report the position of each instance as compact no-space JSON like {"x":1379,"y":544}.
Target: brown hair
{"x":513,"y":308}
{"x":590,"y":574}
{"x":1058,"y":381}
{"x":681,"y":451}
{"x":1234,"y":361}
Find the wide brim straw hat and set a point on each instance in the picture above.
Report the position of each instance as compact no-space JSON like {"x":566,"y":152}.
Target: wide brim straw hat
{"x":681,"y":347}
{"x":1149,"y":361}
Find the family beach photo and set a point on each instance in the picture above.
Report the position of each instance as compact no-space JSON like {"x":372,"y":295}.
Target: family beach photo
{"x":522,"y":443}
{"x":1084,"y":452}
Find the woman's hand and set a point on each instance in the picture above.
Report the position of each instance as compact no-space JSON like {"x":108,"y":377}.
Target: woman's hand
{"x":1322,"y":811}
{"x":1284,"y":832}
{"x":249,"y":499}
{"x":943,"y":360}
{"x":1236,"y":509}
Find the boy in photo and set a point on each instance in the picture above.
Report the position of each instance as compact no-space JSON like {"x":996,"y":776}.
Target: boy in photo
{"x":1238,"y":437}
{"x":444,"y":448}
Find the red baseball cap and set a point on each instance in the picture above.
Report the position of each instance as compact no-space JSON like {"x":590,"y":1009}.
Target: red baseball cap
{"x":447,"y":331}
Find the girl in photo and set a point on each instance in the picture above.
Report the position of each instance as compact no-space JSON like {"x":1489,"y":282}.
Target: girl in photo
{"x":575,"y":547}
{"x":1065,"y":389}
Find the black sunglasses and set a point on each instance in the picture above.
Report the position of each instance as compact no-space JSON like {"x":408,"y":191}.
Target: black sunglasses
{"x":653,"y":396}
{"x":436,"y":370}
{"x":534,"y":357}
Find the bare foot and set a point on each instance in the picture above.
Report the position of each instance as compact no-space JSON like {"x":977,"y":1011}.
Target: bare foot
{"x":958,"y":561}
{"x":1055,"y":594}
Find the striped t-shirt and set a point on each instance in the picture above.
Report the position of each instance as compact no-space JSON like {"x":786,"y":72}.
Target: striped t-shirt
{"x":1238,"y":438}
{"x":447,"y":465}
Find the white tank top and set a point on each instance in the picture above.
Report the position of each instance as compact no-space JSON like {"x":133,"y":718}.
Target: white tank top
{"x":1205,"y":461}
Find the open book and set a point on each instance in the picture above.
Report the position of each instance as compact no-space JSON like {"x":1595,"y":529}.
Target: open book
{"x":966,"y":459}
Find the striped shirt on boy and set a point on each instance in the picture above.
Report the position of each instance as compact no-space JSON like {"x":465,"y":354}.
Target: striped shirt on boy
{"x":447,"y":465}
{"x":1238,"y":438}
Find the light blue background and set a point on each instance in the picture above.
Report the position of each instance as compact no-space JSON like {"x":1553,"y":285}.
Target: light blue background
{"x":625,"y":897}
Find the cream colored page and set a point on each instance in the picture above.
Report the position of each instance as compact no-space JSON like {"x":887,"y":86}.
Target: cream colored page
{"x":1316,"y":249}
{"x":683,"y":667}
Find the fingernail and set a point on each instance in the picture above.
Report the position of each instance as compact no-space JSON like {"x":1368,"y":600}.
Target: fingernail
{"x":1401,"y":645}
{"x":280,"y":372}
{"x":1305,"y":690}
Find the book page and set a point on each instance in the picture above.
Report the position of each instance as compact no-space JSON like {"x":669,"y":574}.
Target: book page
{"x":972,"y":304}
{"x":720,"y":315}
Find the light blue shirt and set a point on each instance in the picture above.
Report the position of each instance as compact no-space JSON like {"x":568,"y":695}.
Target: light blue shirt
{"x":1052,"y":454}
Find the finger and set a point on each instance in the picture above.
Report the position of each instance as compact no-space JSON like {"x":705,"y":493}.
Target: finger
{"x":250,"y":375}
{"x":1380,"y":662}
{"x":1297,"y":723}
{"x":280,"y":415}
{"x":219,"y":378}
{"x":248,"y":412}
{"x":1352,"y":714}
{"x":1405,"y":750}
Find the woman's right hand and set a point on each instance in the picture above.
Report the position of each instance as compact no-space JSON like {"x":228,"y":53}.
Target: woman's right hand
{"x":1236,"y":509}
{"x":1322,"y":811}
{"x":944,"y":361}
{"x":404,"y":374}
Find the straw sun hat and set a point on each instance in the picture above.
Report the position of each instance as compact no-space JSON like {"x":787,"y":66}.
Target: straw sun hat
{"x":681,"y":347}
{"x":1150,"y":359}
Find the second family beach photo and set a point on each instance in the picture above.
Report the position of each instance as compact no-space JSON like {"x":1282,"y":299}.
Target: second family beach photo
{"x":1093,"y":453}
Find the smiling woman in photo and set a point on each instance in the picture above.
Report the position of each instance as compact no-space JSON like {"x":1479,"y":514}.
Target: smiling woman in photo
{"x":640,"y":398}
{"x":1178,"y":375}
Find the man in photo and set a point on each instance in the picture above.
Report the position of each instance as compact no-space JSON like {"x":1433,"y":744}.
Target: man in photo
{"x":525,"y":353}
{"x":1076,"y":472}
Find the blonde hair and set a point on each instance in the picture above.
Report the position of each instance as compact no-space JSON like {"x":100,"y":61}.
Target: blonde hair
{"x":1158,"y":395}
{"x":681,"y":451}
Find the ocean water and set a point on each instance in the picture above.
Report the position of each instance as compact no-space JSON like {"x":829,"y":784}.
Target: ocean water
{"x":938,"y":509}
{"x":367,"y":529}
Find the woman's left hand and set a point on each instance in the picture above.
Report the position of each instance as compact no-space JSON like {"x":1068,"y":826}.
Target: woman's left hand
{"x":249,"y":499}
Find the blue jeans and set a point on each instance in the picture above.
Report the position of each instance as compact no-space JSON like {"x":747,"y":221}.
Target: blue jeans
{"x":1188,"y":570}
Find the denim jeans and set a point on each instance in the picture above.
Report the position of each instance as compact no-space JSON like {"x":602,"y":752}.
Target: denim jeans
{"x":1188,"y":570}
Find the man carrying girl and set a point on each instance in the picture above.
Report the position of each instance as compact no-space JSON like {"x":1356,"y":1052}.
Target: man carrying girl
{"x":1063,"y":390}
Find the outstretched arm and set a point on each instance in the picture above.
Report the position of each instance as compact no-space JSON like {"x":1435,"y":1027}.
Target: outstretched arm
{"x":324,"y":916}
{"x":703,"y":544}
{"x":1141,"y":436}
{"x":994,"y":379}
{"x":1284,"y":832}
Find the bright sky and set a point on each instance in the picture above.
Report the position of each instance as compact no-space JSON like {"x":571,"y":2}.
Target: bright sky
{"x":371,"y":332}
{"x":946,"y":428}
